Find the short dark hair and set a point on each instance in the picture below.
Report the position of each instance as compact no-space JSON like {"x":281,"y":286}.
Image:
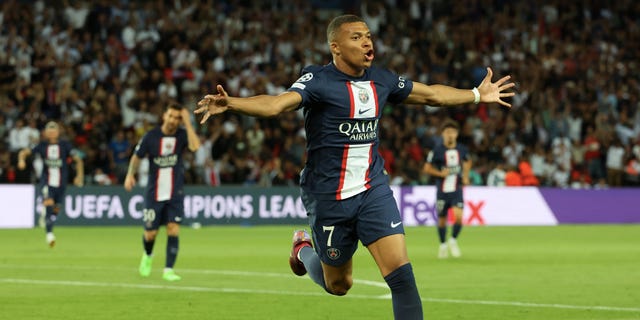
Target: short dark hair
{"x":174,"y":106}
{"x":337,"y":22}
{"x":449,"y":123}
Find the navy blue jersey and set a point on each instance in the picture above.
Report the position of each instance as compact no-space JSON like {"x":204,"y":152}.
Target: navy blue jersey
{"x":166,"y":171}
{"x":55,"y":158}
{"x":441,"y":157}
{"x":341,"y":122}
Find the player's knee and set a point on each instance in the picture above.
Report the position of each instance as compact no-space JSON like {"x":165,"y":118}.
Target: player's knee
{"x":339,"y":287}
{"x":150,"y":235}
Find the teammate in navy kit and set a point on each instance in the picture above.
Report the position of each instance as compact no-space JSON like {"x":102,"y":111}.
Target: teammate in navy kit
{"x":55,"y":154}
{"x":343,"y":185}
{"x":450,"y":164}
{"x":164,"y":196}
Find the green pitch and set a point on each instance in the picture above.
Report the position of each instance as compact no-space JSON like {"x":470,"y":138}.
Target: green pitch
{"x":567,"y":272}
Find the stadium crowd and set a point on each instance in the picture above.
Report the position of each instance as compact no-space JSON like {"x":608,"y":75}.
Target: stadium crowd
{"x":105,"y":70}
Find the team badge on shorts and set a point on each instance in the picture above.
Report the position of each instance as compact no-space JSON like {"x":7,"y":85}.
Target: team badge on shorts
{"x":333,"y":253}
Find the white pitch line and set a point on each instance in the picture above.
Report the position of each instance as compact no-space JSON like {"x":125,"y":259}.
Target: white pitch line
{"x":297,"y":293}
{"x":170,"y":287}
{"x":534,"y":305}
{"x":378,"y":284}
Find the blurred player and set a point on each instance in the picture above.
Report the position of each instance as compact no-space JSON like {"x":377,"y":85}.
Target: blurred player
{"x":449,"y":162}
{"x":55,"y":173}
{"x":344,"y":187}
{"x":164,"y":197}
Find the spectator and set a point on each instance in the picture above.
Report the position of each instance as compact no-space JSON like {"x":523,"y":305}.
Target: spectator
{"x":512,"y":152}
{"x":67,"y":67}
{"x":592,"y":154}
{"x":19,"y":136}
{"x":512,"y":177}
{"x":526,"y":173}
{"x":615,"y":163}
{"x":497,"y":176}
{"x":119,"y":152}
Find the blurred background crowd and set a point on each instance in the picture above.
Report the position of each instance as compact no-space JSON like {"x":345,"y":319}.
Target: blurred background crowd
{"x":106,"y":69}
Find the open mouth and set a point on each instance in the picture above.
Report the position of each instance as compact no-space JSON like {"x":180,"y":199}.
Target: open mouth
{"x":369,"y":55}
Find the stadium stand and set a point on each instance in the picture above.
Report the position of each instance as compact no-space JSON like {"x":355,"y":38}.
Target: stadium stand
{"x":103,"y":68}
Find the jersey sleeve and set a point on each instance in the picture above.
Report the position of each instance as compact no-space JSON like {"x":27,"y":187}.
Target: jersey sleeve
{"x":465,"y":153}
{"x":399,"y":86}
{"x":430,"y":157}
{"x":307,"y":85}
{"x":142,"y":148}
{"x":38,"y":149}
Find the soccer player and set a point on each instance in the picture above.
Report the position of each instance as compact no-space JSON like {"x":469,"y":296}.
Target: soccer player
{"x":344,"y":187}
{"x":55,"y":173}
{"x":450,"y":164}
{"x":164,"y":197}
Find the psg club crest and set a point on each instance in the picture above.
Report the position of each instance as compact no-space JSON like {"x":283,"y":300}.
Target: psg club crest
{"x":363,"y":95}
{"x":333,"y":253}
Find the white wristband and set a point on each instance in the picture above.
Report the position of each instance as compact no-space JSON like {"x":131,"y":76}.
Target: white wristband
{"x":476,"y":95}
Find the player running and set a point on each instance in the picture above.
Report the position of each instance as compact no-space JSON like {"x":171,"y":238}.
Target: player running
{"x":55,"y":173}
{"x":344,"y":187}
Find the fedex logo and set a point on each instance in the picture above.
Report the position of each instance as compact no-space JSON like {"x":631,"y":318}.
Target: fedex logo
{"x":418,"y":207}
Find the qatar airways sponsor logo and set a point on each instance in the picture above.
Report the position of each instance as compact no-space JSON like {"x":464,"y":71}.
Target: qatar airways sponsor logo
{"x":359,"y":130}
{"x":53,"y":163}
{"x":166,"y":161}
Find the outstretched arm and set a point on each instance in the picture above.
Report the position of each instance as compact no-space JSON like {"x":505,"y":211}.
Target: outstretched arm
{"x":257,"y":106}
{"x":441,"y":95}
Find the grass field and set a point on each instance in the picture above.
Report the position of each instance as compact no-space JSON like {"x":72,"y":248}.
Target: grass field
{"x":567,"y":272}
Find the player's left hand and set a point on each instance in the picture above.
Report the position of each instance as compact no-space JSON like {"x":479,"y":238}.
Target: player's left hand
{"x":494,"y":91}
{"x":213,"y":104}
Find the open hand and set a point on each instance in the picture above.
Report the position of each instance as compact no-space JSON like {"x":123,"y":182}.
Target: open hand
{"x":494,"y":91}
{"x":213,"y":104}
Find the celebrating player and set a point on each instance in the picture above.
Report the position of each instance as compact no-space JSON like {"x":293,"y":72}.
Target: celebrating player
{"x":164,"y":197}
{"x":344,"y":187}
{"x":449,"y":162}
{"x":55,"y":173}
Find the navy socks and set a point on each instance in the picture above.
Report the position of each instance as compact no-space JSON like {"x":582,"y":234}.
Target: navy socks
{"x":442,"y":234}
{"x":172,"y":251}
{"x":404,"y":294}
{"x":148,"y":245}
{"x":456,"y":230}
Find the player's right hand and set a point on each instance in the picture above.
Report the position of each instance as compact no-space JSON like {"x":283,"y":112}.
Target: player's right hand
{"x":213,"y":104}
{"x":21,"y":164}
{"x":129,"y":182}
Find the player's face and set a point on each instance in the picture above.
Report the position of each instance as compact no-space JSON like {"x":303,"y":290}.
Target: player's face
{"x":172,"y":118}
{"x":52,"y":134}
{"x":353,"y":48}
{"x":449,"y":137}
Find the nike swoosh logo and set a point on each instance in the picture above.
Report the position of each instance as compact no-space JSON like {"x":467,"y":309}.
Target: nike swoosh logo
{"x":364,"y":111}
{"x":395,"y":224}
